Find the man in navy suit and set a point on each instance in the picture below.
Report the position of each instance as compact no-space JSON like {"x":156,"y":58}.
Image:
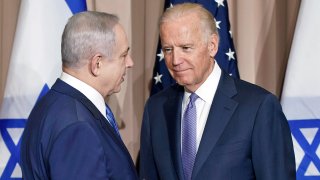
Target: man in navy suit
{"x":238,"y":130}
{"x":69,"y":134}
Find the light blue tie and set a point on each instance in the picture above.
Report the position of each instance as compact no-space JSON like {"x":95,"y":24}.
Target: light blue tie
{"x":112,"y":120}
{"x":189,"y":129}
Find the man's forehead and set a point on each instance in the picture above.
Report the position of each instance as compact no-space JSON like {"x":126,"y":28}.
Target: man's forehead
{"x":182,"y":31}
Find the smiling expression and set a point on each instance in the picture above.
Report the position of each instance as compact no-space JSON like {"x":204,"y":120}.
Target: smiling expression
{"x":188,"y":56}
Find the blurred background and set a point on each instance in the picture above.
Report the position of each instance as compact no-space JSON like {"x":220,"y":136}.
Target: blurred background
{"x":262,"y":32}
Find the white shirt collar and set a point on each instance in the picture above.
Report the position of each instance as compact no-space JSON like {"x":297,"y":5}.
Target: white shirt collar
{"x":208,"y":89}
{"x":93,"y":95}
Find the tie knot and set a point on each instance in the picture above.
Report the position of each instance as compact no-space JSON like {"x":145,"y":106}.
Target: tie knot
{"x":193,"y":97}
{"x":108,"y":110}
{"x":111,"y":119}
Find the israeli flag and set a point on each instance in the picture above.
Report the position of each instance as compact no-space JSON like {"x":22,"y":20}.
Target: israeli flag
{"x":34,"y":66}
{"x":301,"y":92}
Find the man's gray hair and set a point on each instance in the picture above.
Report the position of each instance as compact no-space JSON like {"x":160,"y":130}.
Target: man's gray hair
{"x":86,"y":34}
{"x":207,"y":21}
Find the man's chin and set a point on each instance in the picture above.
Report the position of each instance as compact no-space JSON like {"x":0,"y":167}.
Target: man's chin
{"x":117,"y":89}
{"x":182,"y":82}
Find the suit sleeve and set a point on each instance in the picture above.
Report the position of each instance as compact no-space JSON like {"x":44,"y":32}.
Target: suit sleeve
{"x":272,"y":149}
{"x":147,"y":168}
{"x":77,"y":154}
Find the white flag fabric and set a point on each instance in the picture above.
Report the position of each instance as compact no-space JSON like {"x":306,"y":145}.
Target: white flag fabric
{"x":34,"y":66}
{"x":301,"y":92}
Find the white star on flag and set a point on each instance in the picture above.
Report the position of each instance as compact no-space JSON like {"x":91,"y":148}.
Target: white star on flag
{"x":217,"y":23}
{"x":230,"y":54}
{"x":219,"y":2}
{"x":230,"y":32}
{"x":158,"y":78}
{"x":161,"y":56}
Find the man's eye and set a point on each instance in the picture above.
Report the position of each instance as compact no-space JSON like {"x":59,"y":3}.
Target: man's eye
{"x":167,"y":50}
{"x":124,"y":55}
{"x":186,"y":48}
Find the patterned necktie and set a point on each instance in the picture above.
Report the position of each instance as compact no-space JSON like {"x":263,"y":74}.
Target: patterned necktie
{"x":112,"y":120}
{"x":189,"y":128}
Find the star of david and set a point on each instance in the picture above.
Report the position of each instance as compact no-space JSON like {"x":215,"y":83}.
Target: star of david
{"x":14,"y":149}
{"x":309,"y":148}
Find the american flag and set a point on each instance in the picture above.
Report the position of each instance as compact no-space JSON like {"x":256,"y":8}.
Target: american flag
{"x":226,"y":56}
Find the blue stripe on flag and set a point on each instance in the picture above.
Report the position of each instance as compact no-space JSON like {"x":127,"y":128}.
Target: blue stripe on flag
{"x":44,"y":91}
{"x":77,"y":6}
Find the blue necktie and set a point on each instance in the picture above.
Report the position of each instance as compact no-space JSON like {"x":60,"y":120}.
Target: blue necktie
{"x":189,"y":129}
{"x":112,"y":120}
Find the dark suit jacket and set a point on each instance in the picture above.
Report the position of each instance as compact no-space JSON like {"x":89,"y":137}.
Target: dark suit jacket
{"x":66,"y":137}
{"x":246,"y":136}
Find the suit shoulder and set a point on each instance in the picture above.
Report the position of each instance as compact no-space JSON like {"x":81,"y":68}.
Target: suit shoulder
{"x":244,"y":91}
{"x":56,"y":111}
{"x":168,"y":92}
{"x":245,"y":87}
{"x":56,"y":105}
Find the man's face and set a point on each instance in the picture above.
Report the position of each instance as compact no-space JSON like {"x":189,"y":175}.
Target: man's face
{"x":188,"y":56}
{"x":115,"y":68}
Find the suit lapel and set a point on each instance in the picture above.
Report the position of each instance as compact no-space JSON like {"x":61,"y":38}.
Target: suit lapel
{"x":220,"y":113}
{"x":172,"y":109}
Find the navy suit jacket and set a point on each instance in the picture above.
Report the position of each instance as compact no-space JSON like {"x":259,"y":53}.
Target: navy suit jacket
{"x":246,"y":136}
{"x":66,"y":137}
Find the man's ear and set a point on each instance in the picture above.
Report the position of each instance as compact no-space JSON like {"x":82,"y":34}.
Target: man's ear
{"x":213,"y":45}
{"x":96,"y":63}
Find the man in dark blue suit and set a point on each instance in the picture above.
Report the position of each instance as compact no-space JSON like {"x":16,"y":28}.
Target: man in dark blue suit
{"x":71,"y":132}
{"x":209,"y":125}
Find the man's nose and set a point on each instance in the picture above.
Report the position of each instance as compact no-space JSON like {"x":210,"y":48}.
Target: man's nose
{"x":129,"y":61}
{"x":176,"y":57}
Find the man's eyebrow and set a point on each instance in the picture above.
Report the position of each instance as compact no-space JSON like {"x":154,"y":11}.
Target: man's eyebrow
{"x":126,"y":51}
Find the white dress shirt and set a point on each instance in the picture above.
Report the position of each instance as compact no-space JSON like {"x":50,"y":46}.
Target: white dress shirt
{"x":206,"y":93}
{"x":93,"y":95}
